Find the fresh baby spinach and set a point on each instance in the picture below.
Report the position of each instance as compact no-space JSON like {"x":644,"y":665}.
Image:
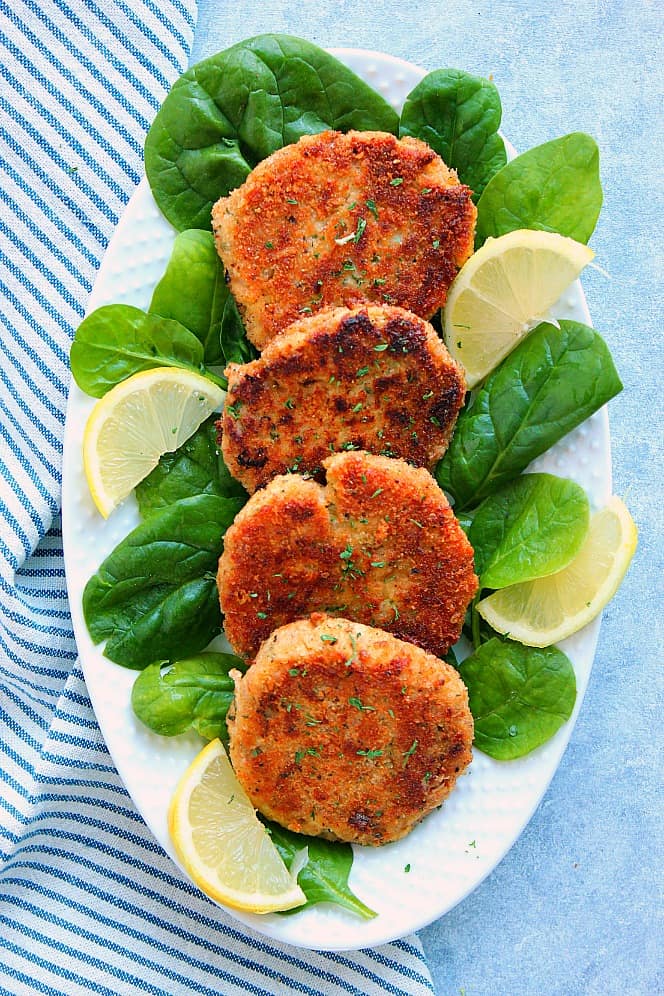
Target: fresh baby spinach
{"x":193,"y":291}
{"x":118,"y":340}
{"x":195,"y":468}
{"x":458,"y":115}
{"x":190,"y":694}
{"x":519,"y":696}
{"x":230,"y":111}
{"x":324,"y":878}
{"x":554,"y":187}
{"x":554,"y":380}
{"x":234,"y":343}
{"x":529,"y":529}
{"x":155,"y":598}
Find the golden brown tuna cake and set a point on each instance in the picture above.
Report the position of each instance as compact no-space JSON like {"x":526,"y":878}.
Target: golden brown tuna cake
{"x":378,"y":544}
{"x":377,"y":378}
{"x":341,"y":220}
{"x":342,"y":731}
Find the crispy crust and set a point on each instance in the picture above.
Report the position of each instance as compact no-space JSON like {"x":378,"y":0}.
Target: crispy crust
{"x":340,"y":220}
{"x":378,"y":544}
{"x":376,"y":378}
{"x":342,"y":731}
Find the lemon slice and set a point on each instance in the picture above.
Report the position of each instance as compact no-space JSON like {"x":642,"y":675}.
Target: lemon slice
{"x":503,"y":291}
{"x":542,"y":612}
{"x":140,"y":419}
{"x":221,"y":842}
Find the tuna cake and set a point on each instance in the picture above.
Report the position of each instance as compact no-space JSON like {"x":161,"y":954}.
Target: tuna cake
{"x":376,"y":378}
{"x":342,"y":220}
{"x":342,"y":731}
{"x":377,"y":544}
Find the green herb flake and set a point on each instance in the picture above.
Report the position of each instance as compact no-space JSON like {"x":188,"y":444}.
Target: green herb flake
{"x":269,"y":245}
{"x":409,"y":753}
{"x":358,"y":704}
{"x":289,"y":404}
{"x":358,"y":407}
{"x":407,"y":868}
{"x":359,"y":231}
{"x":427,"y":395}
{"x":381,"y":347}
{"x":371,"y":753}
{"x":362,"y":372}
{"x":327,"y":638}
{"x":372,"y":207}
{"x":396,"y":181}
{"x":294,"y":672}
{"x":291,"y":200}
{"x":234,"y":410}
{"x":376,"y":493}
{"x":262,"y":615}
{"x":255,"y":751}
{"x":378,"y":563}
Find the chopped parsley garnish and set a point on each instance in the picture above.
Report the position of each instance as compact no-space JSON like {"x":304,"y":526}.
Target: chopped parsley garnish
{"x":436,"y":243}
{"x":378,"y":563}
{"x":381,"y":347}
{"x":358,"y":407}
{"x":358,"y":704}
{"x":269,"y":245}
{"x":407,"y":868}
{"x":289,"y":404}
{"x":362,"y":372}
{"x":411,"y":750}
{"x":370,"y":753}
{"x":359,"y":231}
{"x":426,"y":395}
{"x":372,"y":207}
{"x":376,"y":493}
{"x":396,"y":181}
{"x":294,"y":672}
{"x":327,"y":638}
{"x":291,"y":200}
{"x":262,"y":615}
{"x":234,"y":410}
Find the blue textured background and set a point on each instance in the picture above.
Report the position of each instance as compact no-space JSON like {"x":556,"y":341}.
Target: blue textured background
{"x":575,"y":908}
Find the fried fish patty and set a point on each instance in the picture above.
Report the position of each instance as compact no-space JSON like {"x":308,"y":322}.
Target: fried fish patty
{"x":378,"y":544}
{"x":341,"y":220}
{"x":342,"y":731}
{"x":376,"y":378}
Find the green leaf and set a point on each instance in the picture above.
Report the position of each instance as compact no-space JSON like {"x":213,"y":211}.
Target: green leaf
{"x":230,"y":111}
{"x":529,"y":529}
{"x":193,"y":291}
{"x":554,"y":187}
{"x":155,"y":597}
{"x":117,"y":341}
{"x":519,"y":696}
{"x":191,"y":694}
{"x":458,"y":115}
{"x":195,"y":468}
{"x":234,"y":343}
{"x":324,"y":879}
{"x":554,"y":380}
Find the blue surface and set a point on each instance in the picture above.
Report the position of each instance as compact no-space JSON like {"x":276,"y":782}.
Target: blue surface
{"x":575,"y":908}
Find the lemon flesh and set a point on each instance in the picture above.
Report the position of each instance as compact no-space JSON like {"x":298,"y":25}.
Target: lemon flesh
{"x":503,"y":291}
{"x":221,"y":842}
{"x":139,"y":420}
{"x":543,"y":612}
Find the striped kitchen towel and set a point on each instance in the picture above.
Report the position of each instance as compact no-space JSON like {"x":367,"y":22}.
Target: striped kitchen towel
{"x":89,"y":903}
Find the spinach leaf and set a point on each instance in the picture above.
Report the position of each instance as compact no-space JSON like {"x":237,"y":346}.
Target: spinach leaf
{"x":553,"y":381}
{"x":230,"y":111}
{"x":532,"y":527}
{"x":195,"y":468}
{"x":554,"y":187}
{"x":324,"y":879}
{"x":192,"y":694}
{"x":234,"y":343}
{"x":519,"y":696}
{"x":155,"y":598}
{"x":193,"y":291}
{"x":458,"y":115}
{"x":117,"y":340}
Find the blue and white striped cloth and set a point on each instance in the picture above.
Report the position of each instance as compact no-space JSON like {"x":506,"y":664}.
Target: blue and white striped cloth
{"x":89,"y":903}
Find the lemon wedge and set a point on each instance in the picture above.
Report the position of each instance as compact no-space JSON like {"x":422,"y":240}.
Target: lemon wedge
{"x":140,"y":419}
{"x":503,"y":291}
{"x":221,"y":842}
{"x":543,"y":612}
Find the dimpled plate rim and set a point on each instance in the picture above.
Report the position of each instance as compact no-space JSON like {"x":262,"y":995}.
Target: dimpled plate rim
{"x":491,"y":805}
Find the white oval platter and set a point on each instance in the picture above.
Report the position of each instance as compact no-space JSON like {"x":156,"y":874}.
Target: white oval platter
{"x":453,"y":849}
